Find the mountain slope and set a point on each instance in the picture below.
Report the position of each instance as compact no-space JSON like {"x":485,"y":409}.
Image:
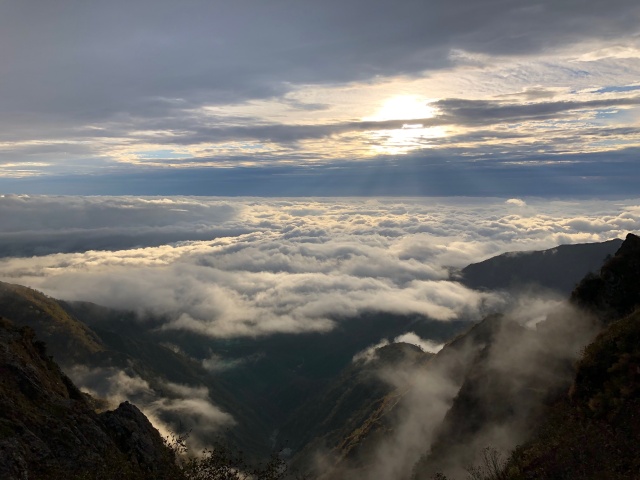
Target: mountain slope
{"x":48,"y":429}
{"x":510,"y":386}
{"x":115,"y":342}
{"x":614,"y":291}
{"x":275,"y":375}
{"x":559,"y":268}
{"x":502,"y":374}
{"x":593,"y":431}
{"x":69,"y":338}
{"x":347,"y":410}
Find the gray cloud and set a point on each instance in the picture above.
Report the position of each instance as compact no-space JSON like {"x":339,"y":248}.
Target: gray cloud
{"x":119,"y":57}
{"x":118,"y":62}
{"x":454,"y":111}
{"x":484,"y":112}
{"x":499,"y":169}
{"x":39,"y":225}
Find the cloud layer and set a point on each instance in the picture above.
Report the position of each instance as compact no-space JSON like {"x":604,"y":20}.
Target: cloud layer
{"x":116,"y":98}
{"x":283,"y":265}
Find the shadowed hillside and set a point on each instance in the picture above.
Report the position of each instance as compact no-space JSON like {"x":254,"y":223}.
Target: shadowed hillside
{"x":49,"y":430}
{"x":559,"y":268}
{"x":593,"y":431}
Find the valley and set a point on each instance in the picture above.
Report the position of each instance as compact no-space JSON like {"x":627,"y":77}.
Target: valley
{"x":345,"y":400}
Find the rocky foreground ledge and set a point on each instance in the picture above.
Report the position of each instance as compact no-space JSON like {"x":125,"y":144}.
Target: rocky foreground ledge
{"x":49,"y":429}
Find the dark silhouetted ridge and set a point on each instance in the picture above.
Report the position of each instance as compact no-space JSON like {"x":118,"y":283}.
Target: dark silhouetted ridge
{"x":48,"y":429}
{"x":559,"y":268}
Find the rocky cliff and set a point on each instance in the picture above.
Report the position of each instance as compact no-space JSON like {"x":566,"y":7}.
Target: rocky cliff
{"x":49,"y":429}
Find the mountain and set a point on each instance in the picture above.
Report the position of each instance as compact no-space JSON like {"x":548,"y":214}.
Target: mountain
{"x":506,"y":394}
{"x":68,"y":338}
{"x":353,"y":406}
{"x":273,"y":376}
{"x":503,"y":376}
{"x":305,"y":392}
{"x":558,"y":269}
{"x":592,"y":431}
{"x":110,"y":342}
{"x":353,"y":449}
{"x":49,"y":429}
{"x":614,"y":291}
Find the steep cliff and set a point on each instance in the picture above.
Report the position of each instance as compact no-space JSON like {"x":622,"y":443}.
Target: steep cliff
{"x":49,"y":430}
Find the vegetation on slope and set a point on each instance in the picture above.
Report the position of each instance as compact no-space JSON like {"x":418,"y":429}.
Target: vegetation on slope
{"x":594,"y":432}
{"x":65,"y":335}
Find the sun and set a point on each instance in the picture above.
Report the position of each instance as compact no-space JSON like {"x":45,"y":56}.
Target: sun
{"x":412,"y":135}
{"x":403,"y":107}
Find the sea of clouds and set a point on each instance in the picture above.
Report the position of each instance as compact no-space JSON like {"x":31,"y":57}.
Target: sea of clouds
{"x":229,"y":267}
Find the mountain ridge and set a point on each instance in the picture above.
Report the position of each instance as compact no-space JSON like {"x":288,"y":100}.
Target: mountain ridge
{"x":558,"y":269}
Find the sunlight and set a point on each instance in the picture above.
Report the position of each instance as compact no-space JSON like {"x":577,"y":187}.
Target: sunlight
{"x":412,"y":135}
{"x":403,"y":140}
{"x":403,"y":107}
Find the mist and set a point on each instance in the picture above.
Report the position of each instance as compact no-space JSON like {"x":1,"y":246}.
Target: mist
{"x":485,"y":389}
{"x":172,"y":408}
{"x":254,"y":269}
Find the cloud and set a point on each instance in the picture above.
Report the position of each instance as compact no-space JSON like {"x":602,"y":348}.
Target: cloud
{"x":43,"y":225}
{"x":556,"y":168}
{"x":506,"y":381}
{"x":93,"y":96}
{"x":426,"y":345}
{"x":516,"y":201}
{"x":485,"y":112}
{"x":169,"y":406}
{"x":258,"y":49}
{"x":370,"y":353}
{"x":303,"y":266}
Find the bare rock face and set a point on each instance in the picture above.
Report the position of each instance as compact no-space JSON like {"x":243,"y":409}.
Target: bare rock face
{"x":48,"y":429}
{"x":134,"y":435}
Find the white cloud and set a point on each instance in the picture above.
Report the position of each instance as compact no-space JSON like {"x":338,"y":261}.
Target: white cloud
{"x":426,"y":345}
{"x":293,"y":265}
{"x":370,"y":353}
{"x":516,"y":201}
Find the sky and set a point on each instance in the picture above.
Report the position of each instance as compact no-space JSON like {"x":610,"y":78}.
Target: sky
{"x":351,"y":98}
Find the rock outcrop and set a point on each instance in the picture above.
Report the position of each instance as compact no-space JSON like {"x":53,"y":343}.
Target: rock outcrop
{"x":49,"y":430}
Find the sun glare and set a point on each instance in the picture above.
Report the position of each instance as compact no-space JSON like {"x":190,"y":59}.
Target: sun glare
{"x":403,"y":107}
{"x":412,"y":135}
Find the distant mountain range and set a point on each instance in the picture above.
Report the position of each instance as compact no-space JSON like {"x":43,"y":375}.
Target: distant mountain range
{"x":306,"y":393}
